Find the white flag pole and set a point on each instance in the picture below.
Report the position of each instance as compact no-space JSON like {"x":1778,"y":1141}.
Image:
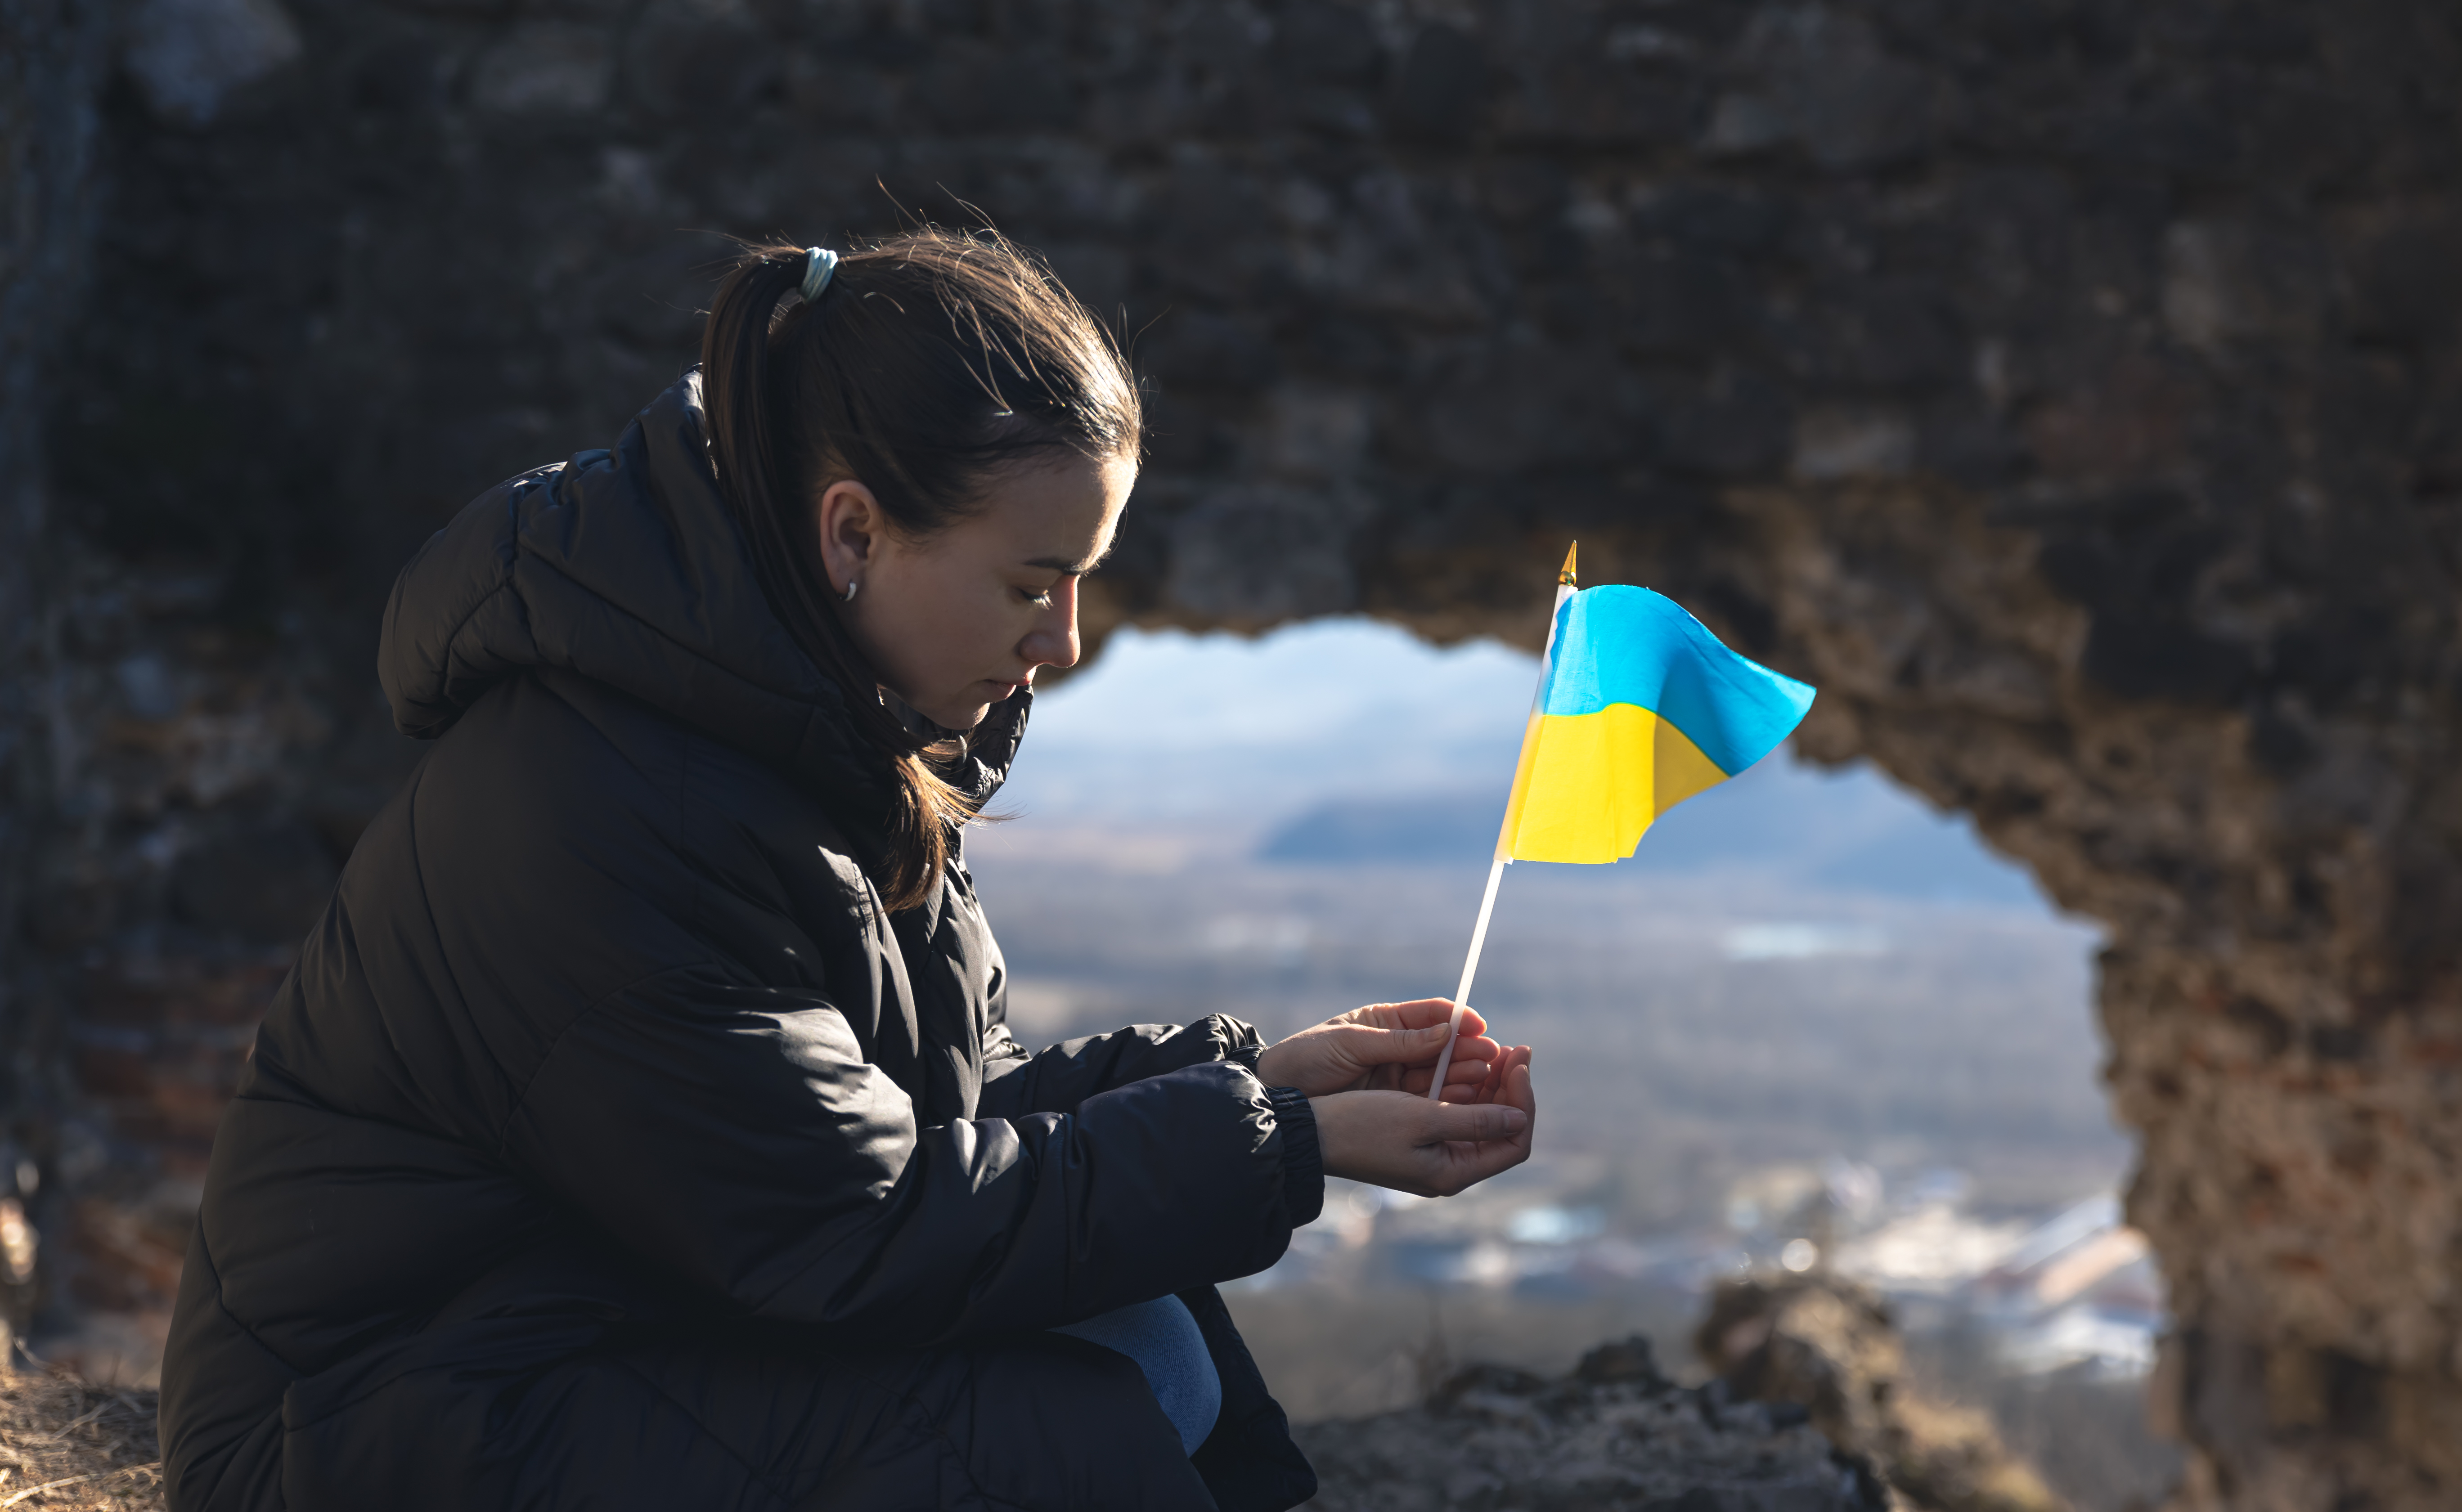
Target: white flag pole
{"x":1564,"y":588}
{"x":1470,"y":970}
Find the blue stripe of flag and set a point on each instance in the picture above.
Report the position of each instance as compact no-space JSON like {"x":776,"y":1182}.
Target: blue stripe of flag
{"x":1621,"y":645}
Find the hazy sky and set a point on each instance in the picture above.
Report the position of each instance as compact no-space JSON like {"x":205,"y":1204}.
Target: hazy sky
{"x":1336,"y":735}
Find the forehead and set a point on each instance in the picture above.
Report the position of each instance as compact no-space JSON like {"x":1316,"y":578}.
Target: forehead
{"x":1058,"y":514}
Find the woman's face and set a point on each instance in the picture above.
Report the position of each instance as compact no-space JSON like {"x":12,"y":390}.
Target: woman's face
{"x":957,"y":621}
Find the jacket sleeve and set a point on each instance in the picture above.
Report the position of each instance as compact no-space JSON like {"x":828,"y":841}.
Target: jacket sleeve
{"x":736,"y":1137}
{"x":1056,"y":1081}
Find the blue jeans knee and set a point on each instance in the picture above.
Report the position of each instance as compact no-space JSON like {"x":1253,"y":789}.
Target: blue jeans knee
{"x":1162,"y":1337}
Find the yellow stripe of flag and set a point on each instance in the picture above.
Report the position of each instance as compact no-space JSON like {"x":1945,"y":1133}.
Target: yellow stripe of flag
{"x":1639,"y":708}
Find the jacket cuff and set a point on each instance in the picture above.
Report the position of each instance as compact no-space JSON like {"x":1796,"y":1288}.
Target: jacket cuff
{"x":1302,"y":1162}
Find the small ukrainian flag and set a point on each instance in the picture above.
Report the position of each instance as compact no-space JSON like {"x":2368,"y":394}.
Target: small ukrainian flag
{"x":1639,"y":707}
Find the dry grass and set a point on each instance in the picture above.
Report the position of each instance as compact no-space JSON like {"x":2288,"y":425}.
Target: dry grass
{"x":67,"y":1446}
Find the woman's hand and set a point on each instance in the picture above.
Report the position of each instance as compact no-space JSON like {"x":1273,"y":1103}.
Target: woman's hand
{"x":1396,"y":1140}
{"x":1385,"y":1046}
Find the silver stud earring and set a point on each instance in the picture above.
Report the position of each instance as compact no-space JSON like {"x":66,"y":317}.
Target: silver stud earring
{"x":848,"y":597}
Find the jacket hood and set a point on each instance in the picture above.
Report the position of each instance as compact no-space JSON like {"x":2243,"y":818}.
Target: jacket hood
{"x":626,"y":566}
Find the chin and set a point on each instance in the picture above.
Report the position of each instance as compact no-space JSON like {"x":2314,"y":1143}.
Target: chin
{"x":964,"y":717}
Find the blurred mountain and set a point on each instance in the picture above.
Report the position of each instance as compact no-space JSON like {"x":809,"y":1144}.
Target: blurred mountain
{"x":1348,"y":742}
{"x":1784,"y":822}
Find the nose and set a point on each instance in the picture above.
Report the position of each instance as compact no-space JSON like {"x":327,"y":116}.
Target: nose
{"x":1052,"y":643}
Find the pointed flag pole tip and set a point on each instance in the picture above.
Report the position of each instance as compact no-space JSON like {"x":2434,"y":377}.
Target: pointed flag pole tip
{"x":1566,"y":577}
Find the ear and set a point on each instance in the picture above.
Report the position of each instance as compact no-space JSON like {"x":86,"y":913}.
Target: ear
{"x":850,"y":523}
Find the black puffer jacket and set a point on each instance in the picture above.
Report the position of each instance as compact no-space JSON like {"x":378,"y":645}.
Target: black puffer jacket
{"x":609,"y":1147}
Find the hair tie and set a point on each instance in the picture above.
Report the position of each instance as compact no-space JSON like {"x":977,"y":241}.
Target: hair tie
{"x":819,"y":263}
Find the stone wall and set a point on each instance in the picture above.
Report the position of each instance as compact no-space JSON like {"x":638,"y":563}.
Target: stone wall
{"x":52,"y":57}
{"x":2068,"y":387}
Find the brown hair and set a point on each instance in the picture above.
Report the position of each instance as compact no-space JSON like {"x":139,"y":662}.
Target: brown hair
{"x":931,"y":361}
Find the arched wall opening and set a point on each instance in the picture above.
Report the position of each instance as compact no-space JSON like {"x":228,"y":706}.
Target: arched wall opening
{"x":2065,"y":388}
{"x":1812,"y":1023}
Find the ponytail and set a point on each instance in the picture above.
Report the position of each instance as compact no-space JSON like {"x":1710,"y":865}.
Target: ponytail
{"x":931,"y":361}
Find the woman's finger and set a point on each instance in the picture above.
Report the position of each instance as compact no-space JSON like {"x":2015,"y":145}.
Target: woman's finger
{"x":1464,"y":1080}
{"x":1368,"y":1046}
{"x":1455,"y":1123}
{"x":1472,"y":1057}
{"x":1472,"y":1162}
{"x":1497,"y":1065}
{"x":1425,"y":1012}
{"x":1516,"y":1091}
{"x":1420,"y":1046}
{"x":1491,"y":1088}
{"x":1419,"y":1013}
{"x":1477,"y":1047}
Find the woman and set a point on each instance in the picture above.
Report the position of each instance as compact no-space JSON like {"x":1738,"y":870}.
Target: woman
{"x":639,"y":1128}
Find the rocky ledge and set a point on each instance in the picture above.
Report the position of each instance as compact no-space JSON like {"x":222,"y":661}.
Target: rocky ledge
{"x":1614,"y":1436}
{"x":1809,"y":1414}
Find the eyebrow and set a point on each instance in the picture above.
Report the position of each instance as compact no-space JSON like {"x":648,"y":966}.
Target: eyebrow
{"x":1068,"y":569}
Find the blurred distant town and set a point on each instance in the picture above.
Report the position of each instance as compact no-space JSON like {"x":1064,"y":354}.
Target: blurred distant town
{"x":2070,"y":1292}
